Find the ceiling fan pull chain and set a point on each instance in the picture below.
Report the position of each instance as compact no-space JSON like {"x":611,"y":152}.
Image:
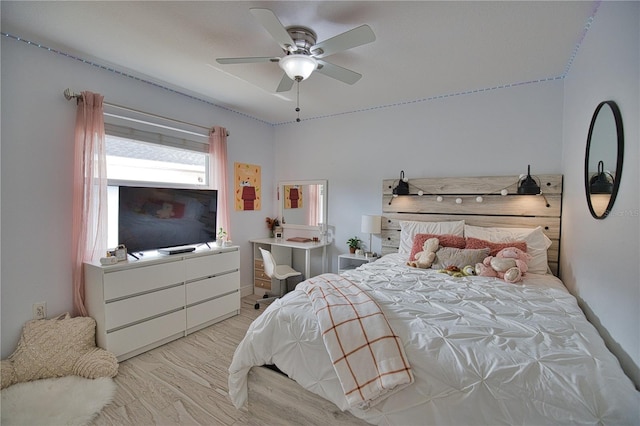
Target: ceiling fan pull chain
{"x":298,"y":99}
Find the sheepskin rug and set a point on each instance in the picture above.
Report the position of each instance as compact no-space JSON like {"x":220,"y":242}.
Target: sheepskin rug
{"x":69,"y":400}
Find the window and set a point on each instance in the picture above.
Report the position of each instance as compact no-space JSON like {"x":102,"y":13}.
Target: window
{"x":140,"y":153}
{"x":138,"y":161}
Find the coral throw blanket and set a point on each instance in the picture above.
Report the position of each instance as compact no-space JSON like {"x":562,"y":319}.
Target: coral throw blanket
{"x":367,"y":355}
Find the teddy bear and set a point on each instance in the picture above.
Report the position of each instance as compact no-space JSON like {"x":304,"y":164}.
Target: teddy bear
{"x":166,"y":211}
{"x":509,"y":264}
{"x":423,"y":259}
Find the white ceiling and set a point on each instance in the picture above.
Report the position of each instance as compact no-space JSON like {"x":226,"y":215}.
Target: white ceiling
{"x":423,"y":49}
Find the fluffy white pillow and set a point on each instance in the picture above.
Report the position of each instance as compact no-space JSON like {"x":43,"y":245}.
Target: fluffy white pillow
{"x":409,"y":229}
{"x":537,"y":242}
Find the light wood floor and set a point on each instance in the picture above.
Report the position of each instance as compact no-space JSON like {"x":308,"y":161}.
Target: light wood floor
{"x":185,"y":382}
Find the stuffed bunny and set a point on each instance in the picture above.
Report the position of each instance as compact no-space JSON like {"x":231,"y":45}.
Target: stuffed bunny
{"x":508,"y":264}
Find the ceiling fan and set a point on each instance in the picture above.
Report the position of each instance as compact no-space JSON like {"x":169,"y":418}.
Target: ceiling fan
{"x":303,"y":54}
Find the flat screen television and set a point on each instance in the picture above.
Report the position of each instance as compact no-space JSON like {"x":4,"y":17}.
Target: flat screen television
{"x":159,"y":218}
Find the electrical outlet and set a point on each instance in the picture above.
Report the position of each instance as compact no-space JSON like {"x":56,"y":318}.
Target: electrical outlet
{"x":40,"y":310}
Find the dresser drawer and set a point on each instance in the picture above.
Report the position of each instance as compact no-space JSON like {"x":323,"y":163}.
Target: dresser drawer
{"x":260,"y":275}
{"x":204,"y":266}
{"x":127,"y":311}
{"x":138,"y":280}
{"x":258,"y":264}
{"x":207,"y":311}
{"x":140,"y":335}
{"x":266,"y":284}
{"x":212,"y":287}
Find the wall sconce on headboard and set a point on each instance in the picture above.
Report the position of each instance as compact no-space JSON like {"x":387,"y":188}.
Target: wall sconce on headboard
{"x":403,"y":186}
{"x":527,"y":185}
{"x":602,"y":182}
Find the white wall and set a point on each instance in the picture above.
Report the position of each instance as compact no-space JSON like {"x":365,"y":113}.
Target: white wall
{"x":489,"y":133}
{"x":37,"y":155}
{"x":599,"y":258}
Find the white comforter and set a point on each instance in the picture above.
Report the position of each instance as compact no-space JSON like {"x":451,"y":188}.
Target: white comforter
{"x":482,"y":352}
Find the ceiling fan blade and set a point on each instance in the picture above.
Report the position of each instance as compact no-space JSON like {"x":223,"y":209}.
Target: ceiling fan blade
{"x":285,"y":84}
{"x":272,"y":24}
{"x":347,"y":40}
{"x":337,"y":72}
{"x":250,"y":60}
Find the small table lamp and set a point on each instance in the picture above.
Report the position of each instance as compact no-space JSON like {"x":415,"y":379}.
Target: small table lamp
{"x":371,"y":224}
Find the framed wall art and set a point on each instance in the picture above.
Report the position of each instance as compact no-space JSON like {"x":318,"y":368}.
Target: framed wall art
{"x":248,"y":186}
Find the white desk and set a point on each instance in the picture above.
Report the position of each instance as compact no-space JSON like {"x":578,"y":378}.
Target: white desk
{"x":281,"y":250}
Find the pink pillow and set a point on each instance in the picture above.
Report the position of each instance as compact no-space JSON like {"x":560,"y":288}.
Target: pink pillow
{"x":476,"y":243}
{"x":446,"y":240}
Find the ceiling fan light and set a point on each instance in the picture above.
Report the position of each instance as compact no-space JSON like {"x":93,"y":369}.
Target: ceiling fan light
{"x":298,"y":66}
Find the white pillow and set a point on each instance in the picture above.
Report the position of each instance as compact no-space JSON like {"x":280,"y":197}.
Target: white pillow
{"x":409,"y":229}
{"x":537,"y":242}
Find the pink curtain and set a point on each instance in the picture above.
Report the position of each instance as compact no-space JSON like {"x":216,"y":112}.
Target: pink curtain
{"x":313,"y":205}
{"x":89,"y":192}
{"x":218,"y":175}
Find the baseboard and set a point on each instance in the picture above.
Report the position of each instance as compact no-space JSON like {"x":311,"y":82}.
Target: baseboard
{"x":246,"y":290}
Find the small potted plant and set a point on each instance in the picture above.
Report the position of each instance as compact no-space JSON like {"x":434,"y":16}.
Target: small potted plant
{"x":222,"y":236}
{"x":354,"y":244}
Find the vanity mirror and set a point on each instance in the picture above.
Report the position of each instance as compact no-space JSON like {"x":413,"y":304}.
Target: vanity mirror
{"x":603,"y":159}
{"x":303,"y":203}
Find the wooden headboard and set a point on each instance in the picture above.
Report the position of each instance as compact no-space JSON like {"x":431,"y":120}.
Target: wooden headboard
{"x":512,"y":210}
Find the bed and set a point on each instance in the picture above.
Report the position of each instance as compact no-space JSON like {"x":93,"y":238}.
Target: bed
{"x":481,"y":350}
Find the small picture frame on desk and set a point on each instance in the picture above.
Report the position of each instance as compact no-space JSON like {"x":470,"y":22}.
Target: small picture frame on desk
{"x":278,"y":232}
{"x":119,"y":253}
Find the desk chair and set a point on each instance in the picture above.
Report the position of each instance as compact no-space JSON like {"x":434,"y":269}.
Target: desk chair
{"x":279,"y":272}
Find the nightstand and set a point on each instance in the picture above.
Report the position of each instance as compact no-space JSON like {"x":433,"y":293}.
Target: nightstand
{"x":352,"y":261}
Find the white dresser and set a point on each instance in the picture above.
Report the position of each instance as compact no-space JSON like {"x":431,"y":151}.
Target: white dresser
{"x":141,"y":304}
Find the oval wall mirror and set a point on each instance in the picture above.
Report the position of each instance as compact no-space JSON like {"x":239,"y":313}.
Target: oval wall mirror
{"x":603,"y":159}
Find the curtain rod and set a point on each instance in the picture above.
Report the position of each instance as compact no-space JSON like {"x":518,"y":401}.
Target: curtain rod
{"x":68,"y":94}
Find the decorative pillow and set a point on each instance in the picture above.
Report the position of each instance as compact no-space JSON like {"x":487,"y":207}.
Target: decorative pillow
{"x":446,"y":240}
{"x":58,"y":347}
{"x":409,"y":229}
{"x":451,"y":256}
{"x":494,"y":248}
{"x":537,"y":242}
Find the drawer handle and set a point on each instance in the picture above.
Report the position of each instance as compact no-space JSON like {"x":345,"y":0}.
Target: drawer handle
{"x":213,"y":276}
{"x":145,"y":319}
{"x":199,"y":302}
{"x":154,"y":290}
